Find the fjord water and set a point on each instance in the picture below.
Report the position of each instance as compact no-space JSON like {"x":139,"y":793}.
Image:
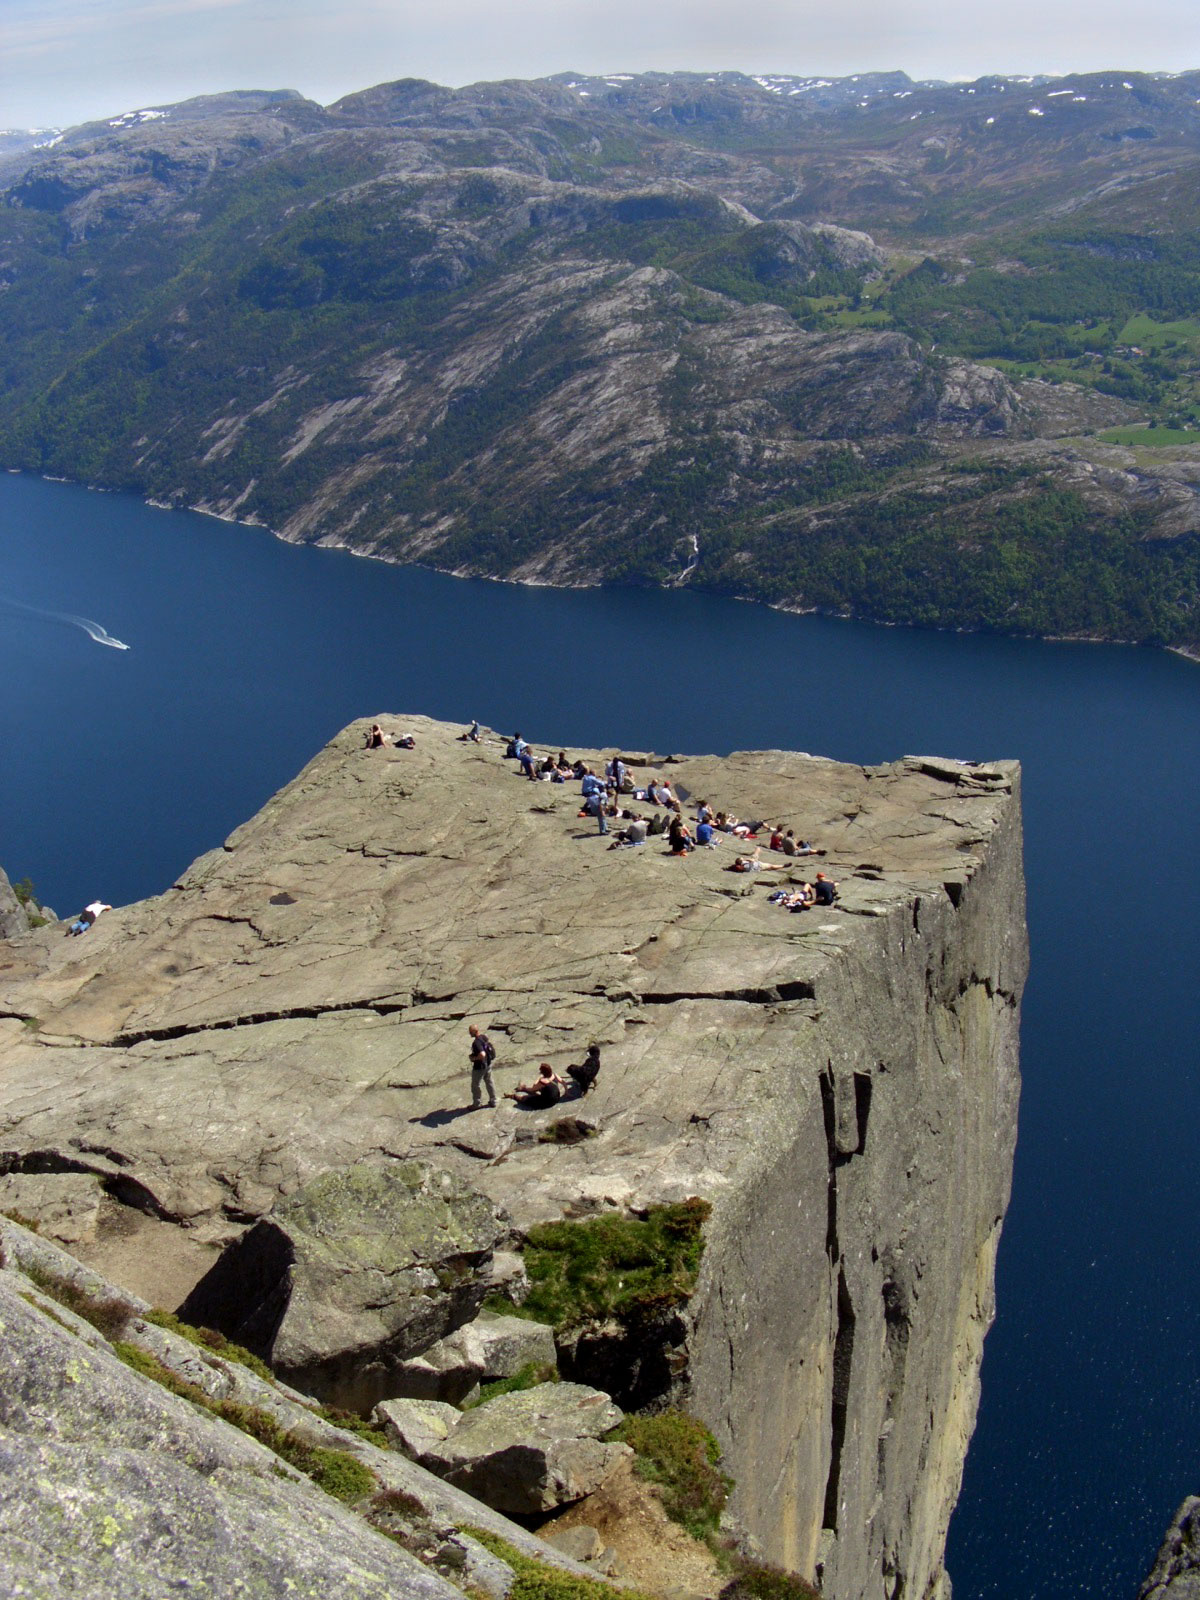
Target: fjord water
{"x":118,"y":767}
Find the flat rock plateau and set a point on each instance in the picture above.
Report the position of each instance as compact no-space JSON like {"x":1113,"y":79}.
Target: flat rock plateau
{"x":839,"y":1085}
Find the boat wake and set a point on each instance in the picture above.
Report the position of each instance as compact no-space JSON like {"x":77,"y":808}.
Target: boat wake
{"x":93,"y":629}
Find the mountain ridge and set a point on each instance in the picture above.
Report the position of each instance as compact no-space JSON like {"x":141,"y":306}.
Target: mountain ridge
{"x":649,"y":328}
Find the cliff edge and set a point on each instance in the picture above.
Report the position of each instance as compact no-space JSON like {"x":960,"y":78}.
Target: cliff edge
{"x":840,"y":1085}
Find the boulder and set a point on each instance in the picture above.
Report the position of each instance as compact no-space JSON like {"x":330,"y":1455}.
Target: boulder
{"x":507,"y":1276}
{"x":1176,"y":1571}
{"x":533,"y":1450}
{"x":14,"y":919}
{"x":581,"y":1543}
{"x":355,"y":1272}
{"x":116,"y":1486}
{"x":416,"y":1426}
{"x":491,"y":1347}
{"x":65,"y":1205}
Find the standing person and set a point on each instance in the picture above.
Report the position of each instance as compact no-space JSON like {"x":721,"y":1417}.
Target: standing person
{"x":598,"y":804}
{"x":483,"y":1053}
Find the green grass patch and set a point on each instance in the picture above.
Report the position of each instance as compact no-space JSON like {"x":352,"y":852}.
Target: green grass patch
{"x":530,"y":1376}
{"x":622,"y":1267}
{"x":871,"y":318}
{"x":538,"y":1580}
{"x":340,"y":1474}
{"x":1150,"y":436}
{"x":212,"y":1341}
{"x":353,"y":1423}
{"x":681,"y":1456}
{"x":1149,"y":334}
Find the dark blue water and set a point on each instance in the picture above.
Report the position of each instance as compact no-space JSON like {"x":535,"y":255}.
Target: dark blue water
{"x":119,"y":767}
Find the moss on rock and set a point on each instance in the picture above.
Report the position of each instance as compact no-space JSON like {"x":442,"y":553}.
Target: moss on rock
{"x":613,"y":1266}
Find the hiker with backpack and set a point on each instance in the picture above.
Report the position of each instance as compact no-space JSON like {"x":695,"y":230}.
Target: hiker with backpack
{"x":483,"y":1053}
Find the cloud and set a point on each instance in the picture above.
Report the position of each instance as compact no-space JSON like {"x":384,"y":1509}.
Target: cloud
{"x":31,"y":30}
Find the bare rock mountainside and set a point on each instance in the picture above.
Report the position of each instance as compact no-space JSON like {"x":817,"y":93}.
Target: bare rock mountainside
{"x":869,"y":346}
{"x":270,"y":1060}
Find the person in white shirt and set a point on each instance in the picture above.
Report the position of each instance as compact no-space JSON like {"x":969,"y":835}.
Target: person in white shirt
{"x":87,"y":916}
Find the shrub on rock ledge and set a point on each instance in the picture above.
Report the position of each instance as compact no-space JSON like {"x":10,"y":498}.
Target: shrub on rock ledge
{"x":680,"y":1455}
{"x":612,"y":1266}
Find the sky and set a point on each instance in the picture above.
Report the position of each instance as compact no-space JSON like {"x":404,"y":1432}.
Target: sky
{"x":68,"y":61}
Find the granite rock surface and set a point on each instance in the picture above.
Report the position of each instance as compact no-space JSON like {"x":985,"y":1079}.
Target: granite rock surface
{"x":839,"y":1084}
{"x":1176,"y":1571}
{"x":114,"y":1485}
{"x":533,"y":1450}
{"x":358,"y":1269}
{"x":490,"y":1347}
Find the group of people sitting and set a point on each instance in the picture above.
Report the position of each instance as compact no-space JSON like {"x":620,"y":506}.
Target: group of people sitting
{"x":553,"y":769}
{"x":602,"y":798}
{"x":823,"y":892}
{"x":547,"y":1089}
{"x":377,"y":739}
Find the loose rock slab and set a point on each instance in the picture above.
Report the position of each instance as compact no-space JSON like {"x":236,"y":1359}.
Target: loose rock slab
{"x":491,"y":1347}
{"x":416,"y":1426}
{"x":530,"y":1451}
{"x":65,"y":1204}
{"x":354,"y":1272}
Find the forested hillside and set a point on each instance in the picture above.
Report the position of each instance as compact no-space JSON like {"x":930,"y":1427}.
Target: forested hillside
{"x":920,"y":352}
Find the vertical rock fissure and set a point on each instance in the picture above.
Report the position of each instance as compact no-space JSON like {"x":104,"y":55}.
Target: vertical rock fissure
{"x":843,"y":1339}
{"x":829,"y":1111}
{"x":897,"y":1326}
{"x":843,"y":1359}
{"x":862,"y":1108}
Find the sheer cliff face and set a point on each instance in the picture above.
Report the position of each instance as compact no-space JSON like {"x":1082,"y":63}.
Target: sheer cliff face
{"x":840,"y":1084}
{"x":847,"y":1290}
